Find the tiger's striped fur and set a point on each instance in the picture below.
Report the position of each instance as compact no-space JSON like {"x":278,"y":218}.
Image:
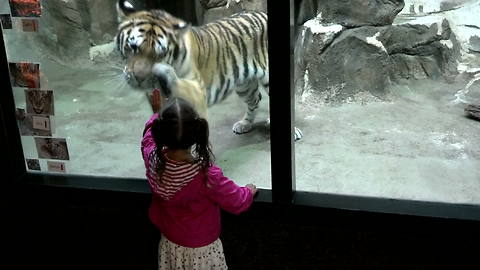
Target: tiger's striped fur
{"x":203,"y":64}
{"x":227,"y":55}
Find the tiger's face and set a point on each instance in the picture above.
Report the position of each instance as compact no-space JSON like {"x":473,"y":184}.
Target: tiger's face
{"x":25,"y":75}
{"x":145,"y":38}
{"x":39,"y":102}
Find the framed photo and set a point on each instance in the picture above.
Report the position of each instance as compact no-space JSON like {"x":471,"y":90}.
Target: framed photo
{"x":29,"y":25}
{"x":25,"y":8}
{"x":6,"y":20}
{"x":56,"y":166}
{"x":39,"y":101}
{"x":33,"y":164}
{"x":33,"y":125}
{"x":25,"y":74}
{"x":52,"y":148}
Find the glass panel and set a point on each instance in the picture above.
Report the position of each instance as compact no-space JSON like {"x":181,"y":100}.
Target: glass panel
{"x":383,"y":91}
{"x":82,"y":107}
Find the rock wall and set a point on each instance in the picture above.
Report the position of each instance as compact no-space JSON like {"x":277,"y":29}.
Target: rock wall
{"x":339,"y":58}
{"x":215,"y":9}
{"x":67,"y":29}
{"x":80,"y":30}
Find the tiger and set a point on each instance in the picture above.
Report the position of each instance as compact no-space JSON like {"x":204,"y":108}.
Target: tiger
{"x":50,"y":148}
{"x":39,"y":101}
{"x":25,"y":75}
{"x":204,"y":64}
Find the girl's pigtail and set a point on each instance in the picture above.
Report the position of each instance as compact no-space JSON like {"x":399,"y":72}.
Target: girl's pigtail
{"x":202,"y":148}
{"x":159,"y":142}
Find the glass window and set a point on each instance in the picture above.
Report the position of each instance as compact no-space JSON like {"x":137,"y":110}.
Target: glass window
{"x":387,"y":97}
{"x":82,"y":107}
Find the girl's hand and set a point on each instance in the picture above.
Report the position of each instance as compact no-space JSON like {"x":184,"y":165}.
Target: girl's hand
{"x":252,"y":188}
{"x":155,"y":99}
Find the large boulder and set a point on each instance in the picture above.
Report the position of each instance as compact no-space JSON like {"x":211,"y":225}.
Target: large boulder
{"x":339,"y":65}
{"x":352,"y":64}
{"x":213,"y":14}
{"x":214,"y":10}
{"x":474,"y":44}
{"x":207,"y":4}
{"x":421,"y":51}
{"x":313,"y":40}
{"x":350,"y":13}
{"x":69,"y":28}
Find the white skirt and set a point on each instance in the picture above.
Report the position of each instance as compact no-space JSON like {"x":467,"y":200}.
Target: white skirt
{"x":172,"y":256}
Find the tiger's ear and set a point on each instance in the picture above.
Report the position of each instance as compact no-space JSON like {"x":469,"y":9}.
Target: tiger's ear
{"x":124,"y":8}
{"x":181,"y":28}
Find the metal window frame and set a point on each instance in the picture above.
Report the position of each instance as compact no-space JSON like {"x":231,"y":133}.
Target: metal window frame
{"x":282,"y":145}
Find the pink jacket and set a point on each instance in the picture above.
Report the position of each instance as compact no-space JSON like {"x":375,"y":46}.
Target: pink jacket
{"x":191,"y":218}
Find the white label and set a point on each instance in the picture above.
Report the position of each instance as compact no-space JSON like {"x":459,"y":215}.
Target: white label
{"x":54,"y":166}
{"x":41,"y":122}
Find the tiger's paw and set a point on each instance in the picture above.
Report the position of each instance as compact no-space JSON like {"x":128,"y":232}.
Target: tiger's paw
{"x":166,"y":76}
{"x":298,"y":134}
{"x":242,"y":126}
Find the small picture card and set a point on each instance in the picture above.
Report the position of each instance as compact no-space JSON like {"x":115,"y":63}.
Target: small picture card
{"x":6,"y":21}
{"x":25,"y":8}
{"x":52,"y":148}
{"x":26,"y":75}
{"x":41,"y":122}
{"x":39,"y":101}
{"x":29,"y":25}
{"x":33,"y":164}
{"x":56,"y":166}
{"x":33,"y":125}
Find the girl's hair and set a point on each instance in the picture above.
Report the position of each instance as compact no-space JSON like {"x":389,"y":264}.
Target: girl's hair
{"x":178,"y":126}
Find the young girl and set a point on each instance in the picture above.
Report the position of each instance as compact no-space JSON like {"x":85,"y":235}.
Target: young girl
{"x":188,"y":189}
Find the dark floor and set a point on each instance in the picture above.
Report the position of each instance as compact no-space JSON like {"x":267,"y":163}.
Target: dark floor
{"x":53,"y":228}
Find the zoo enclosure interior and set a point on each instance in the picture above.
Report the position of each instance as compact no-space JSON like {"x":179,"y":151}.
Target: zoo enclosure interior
{"x":357,"y":142}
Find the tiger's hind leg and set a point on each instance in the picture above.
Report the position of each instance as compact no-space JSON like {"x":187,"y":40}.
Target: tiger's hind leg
{"x":265,"y":84}
{"x":251,"y":95}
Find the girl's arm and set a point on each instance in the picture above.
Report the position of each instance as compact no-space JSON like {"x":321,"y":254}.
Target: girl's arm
{"x":148,"y":145}
{"x":229,"y":196}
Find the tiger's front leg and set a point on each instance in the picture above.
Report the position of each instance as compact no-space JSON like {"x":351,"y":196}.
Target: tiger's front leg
{"x":251,"y":95}
{"x":173,"y":86}
{"x":166,"y":78}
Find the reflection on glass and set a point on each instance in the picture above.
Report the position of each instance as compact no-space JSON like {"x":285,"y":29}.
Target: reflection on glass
{"x":96,"y":66}
{"x":381,"y":91}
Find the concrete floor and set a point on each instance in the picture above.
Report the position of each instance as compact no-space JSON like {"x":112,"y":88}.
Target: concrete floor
{"x":416,"y":146}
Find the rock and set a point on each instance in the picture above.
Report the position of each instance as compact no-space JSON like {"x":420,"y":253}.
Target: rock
{"x":473,"y":111}
{"x":451,"y":4}
{"x":230,"y":8}
{"x":102,"y":53}
{"x":256,"y":5}
{"x":68,"y":22}
{"x":349,"y":13}
{"x":339,"y":63}
{"x":474,"y":44}
{"x":214,"y":14}
{"x":421,"y":51}
{"x":305,"y":10}
{"x":68,"y":28}
{"x":355,"y":62}
{"x":313,"y":39}
{"x":103,"y":18}
{"x":207,"y":4}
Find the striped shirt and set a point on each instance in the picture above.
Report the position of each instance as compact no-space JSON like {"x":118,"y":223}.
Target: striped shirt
{"x":175,"y":176}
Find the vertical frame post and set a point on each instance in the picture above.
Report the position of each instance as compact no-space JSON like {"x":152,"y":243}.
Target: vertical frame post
{"x":281,"y":101}
{"x":11,"y":146}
